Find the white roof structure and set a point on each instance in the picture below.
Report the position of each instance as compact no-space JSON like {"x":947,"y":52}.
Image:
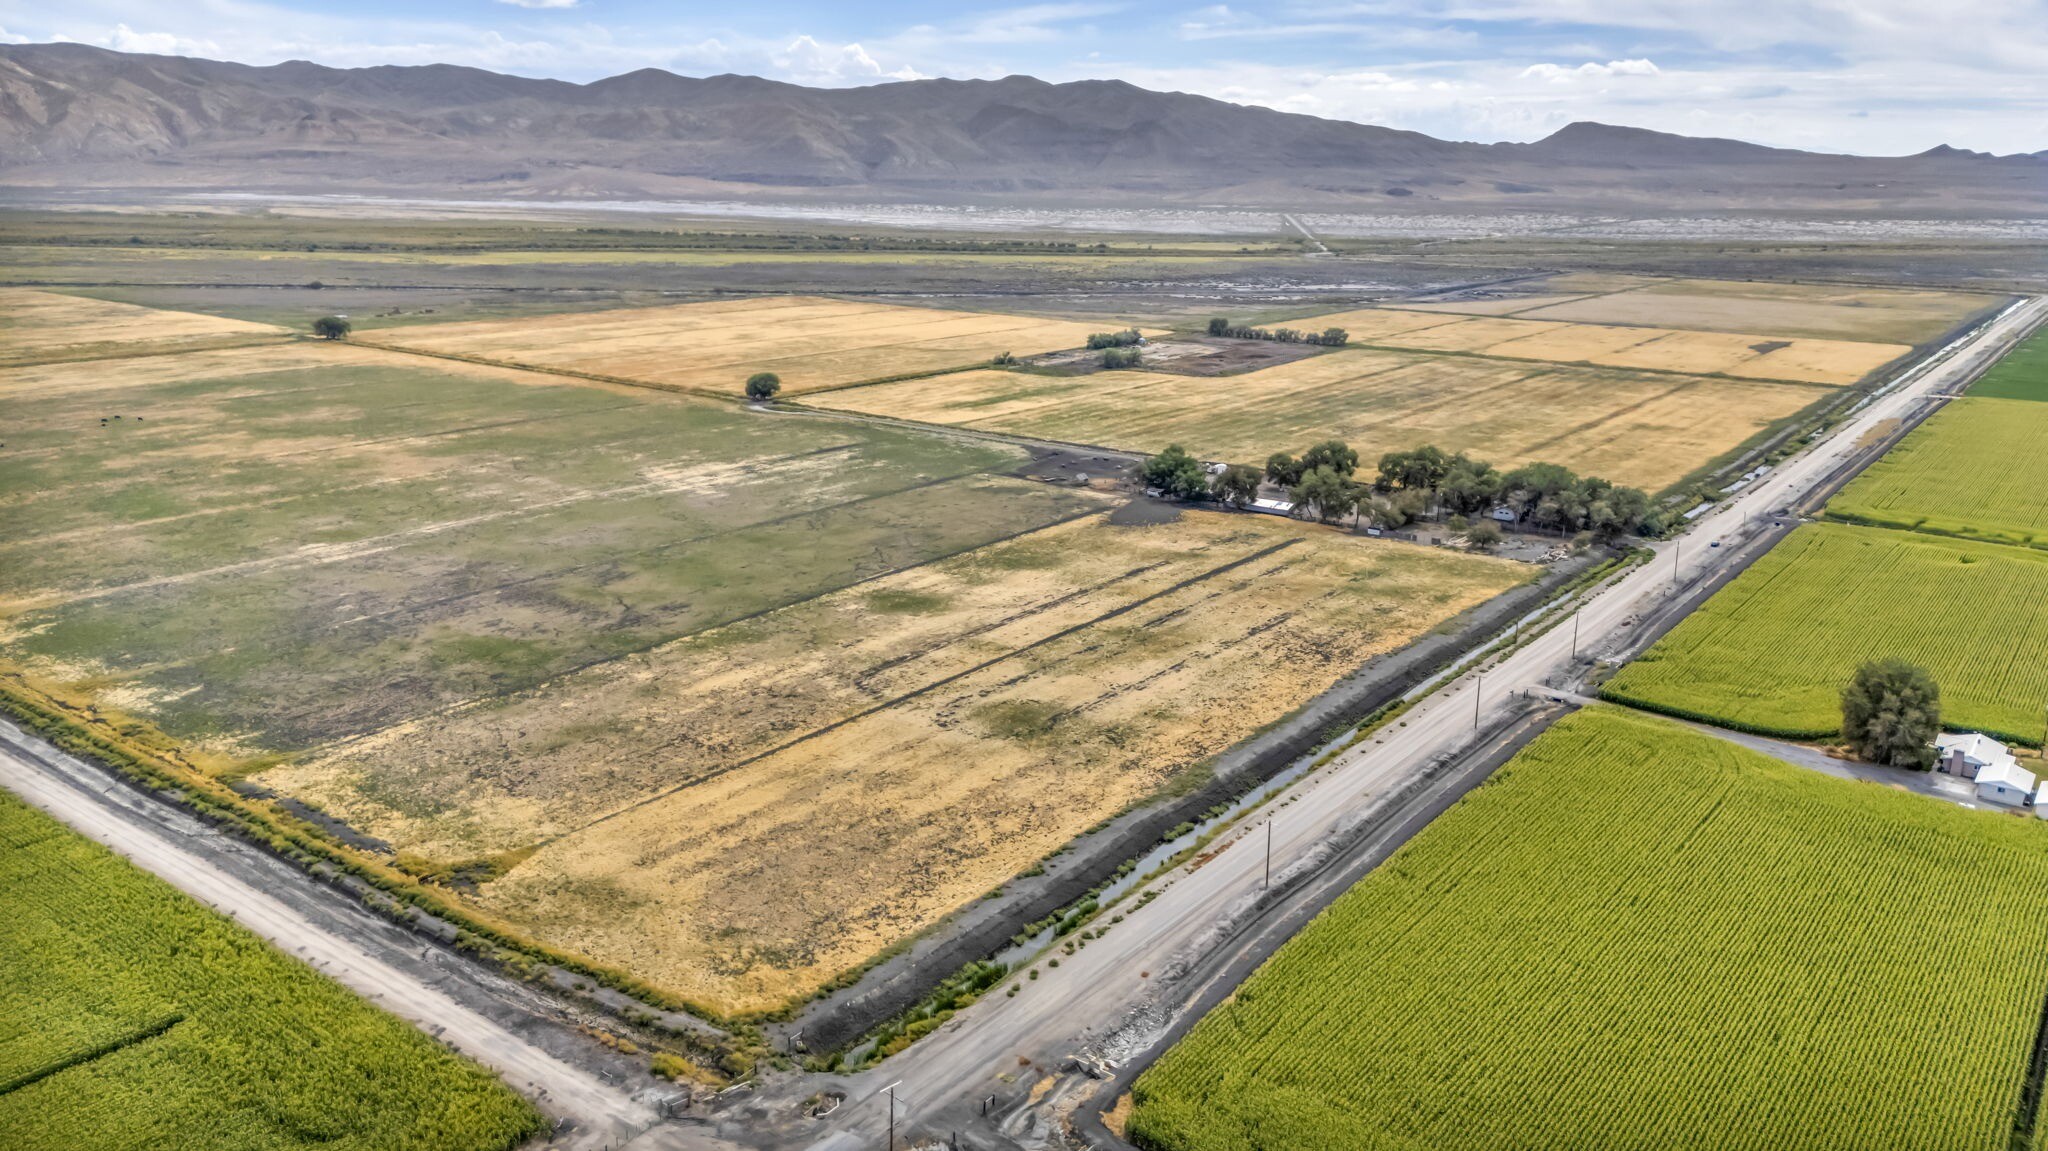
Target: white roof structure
{"x":1978,"y":748}
{"x":2010,"y":774}
{"x":1273,"y":507}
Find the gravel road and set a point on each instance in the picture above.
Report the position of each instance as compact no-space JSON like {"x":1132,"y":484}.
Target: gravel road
{"x":159,"y":839}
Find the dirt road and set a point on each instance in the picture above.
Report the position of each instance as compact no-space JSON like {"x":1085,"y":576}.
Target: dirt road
{"x":163,"y":841}
{"x":1107,"y":996}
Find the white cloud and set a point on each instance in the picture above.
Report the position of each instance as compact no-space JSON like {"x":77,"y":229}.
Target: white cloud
{"x":542,"y":3}
{"x":806,"y":61}
{"x":1558,"y":74}
{"x":125,"y":39}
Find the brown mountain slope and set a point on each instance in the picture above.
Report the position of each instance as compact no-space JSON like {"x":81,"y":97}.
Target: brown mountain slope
{"x":71,"y":114}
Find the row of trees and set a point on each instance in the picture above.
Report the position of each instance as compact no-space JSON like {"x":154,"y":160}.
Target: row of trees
{"x":1122,"y":357}
{"x":1544,"y":495}
{"x":1124,"y":339}
{"x":1424,"y":483}
{"x":1328,"y":337}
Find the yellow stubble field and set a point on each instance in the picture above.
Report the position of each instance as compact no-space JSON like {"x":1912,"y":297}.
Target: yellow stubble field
{"x":1643,"y":429}
{"x":1883,"y":315}
{"x":40,"y":326}
{"x":811,"y":343}
{"x":746,"y":813}
{"x":1666,"y":349}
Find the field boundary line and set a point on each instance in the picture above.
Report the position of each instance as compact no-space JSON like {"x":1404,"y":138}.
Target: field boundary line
{"x":1063,"y":633}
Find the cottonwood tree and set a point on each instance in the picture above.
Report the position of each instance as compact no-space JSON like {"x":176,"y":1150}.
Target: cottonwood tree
{"x":1335,"y":455}
{"x":332,"y":327}
{"x":763,"y":386}
{"x":1176,"y":473}
{"x":1238,"y":485}
{"x":1891,"y":712}
{"x":1283,"y":469}
{"x":1329,"y":495}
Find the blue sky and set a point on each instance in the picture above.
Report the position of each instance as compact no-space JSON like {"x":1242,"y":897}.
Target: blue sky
{"x":1870,"y":76}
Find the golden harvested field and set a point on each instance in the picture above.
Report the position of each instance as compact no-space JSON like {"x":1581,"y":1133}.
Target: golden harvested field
{"x":41,"y":326}
{"x":1780,"y":311}
{"x":744,"y":813}
{"x":1664,"y":349}
{"x":1642,"y":429}
{"x":810,"y":342}
{"x":1492,"y":305}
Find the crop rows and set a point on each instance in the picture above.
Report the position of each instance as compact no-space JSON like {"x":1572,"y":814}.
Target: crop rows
{"x":132,"y":1017}
{"x":1556,"y":963}
{"x":1974,"y":470}
{"x":1771,"y":652}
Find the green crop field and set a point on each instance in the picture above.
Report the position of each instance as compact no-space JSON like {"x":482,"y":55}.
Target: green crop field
{"x":146,"y":1021}
{"x":1639,"y":936}
{"x":1771,"y":651}
{"x":2021,"y":375}
{"x":1975,"y":469}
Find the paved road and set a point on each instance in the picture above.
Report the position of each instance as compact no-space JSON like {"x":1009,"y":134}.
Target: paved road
{"x":149,"y":834}
{"x":986,"y":1049}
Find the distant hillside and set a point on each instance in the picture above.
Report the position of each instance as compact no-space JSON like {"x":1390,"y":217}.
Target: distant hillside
{"x":76,"y":115}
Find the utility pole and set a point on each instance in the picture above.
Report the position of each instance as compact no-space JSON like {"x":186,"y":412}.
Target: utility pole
{"x":1476,"y":690}
{"x":1575,"y":633}
{"x":1675,"y":545}
{"x":1269,"y":853}
{"x":890,"y":1091}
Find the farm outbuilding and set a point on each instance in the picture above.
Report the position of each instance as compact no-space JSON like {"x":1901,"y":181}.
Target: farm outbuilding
{"x":2006,"y":783}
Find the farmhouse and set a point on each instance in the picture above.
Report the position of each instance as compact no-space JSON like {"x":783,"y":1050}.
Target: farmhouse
{"x":1976,"y":756}
{"x":1966,"y":754}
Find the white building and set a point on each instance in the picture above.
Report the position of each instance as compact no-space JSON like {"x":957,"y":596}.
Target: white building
{"x":1965,"y":754}
{"x":2006,"y":783}
{"x":1973,"y":755}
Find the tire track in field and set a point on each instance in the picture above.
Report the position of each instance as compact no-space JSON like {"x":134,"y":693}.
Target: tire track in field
{"x":867,"y":676}
{"x":935,"y":685}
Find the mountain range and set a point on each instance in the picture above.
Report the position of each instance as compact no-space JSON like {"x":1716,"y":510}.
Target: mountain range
{"x":76,"y":116}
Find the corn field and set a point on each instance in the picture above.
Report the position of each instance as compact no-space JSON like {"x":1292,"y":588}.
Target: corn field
{"x":132,"y":1017}
{"x":1772,"y":651}
{"x":1642,"y":937}
{"x":1973,"y":471}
